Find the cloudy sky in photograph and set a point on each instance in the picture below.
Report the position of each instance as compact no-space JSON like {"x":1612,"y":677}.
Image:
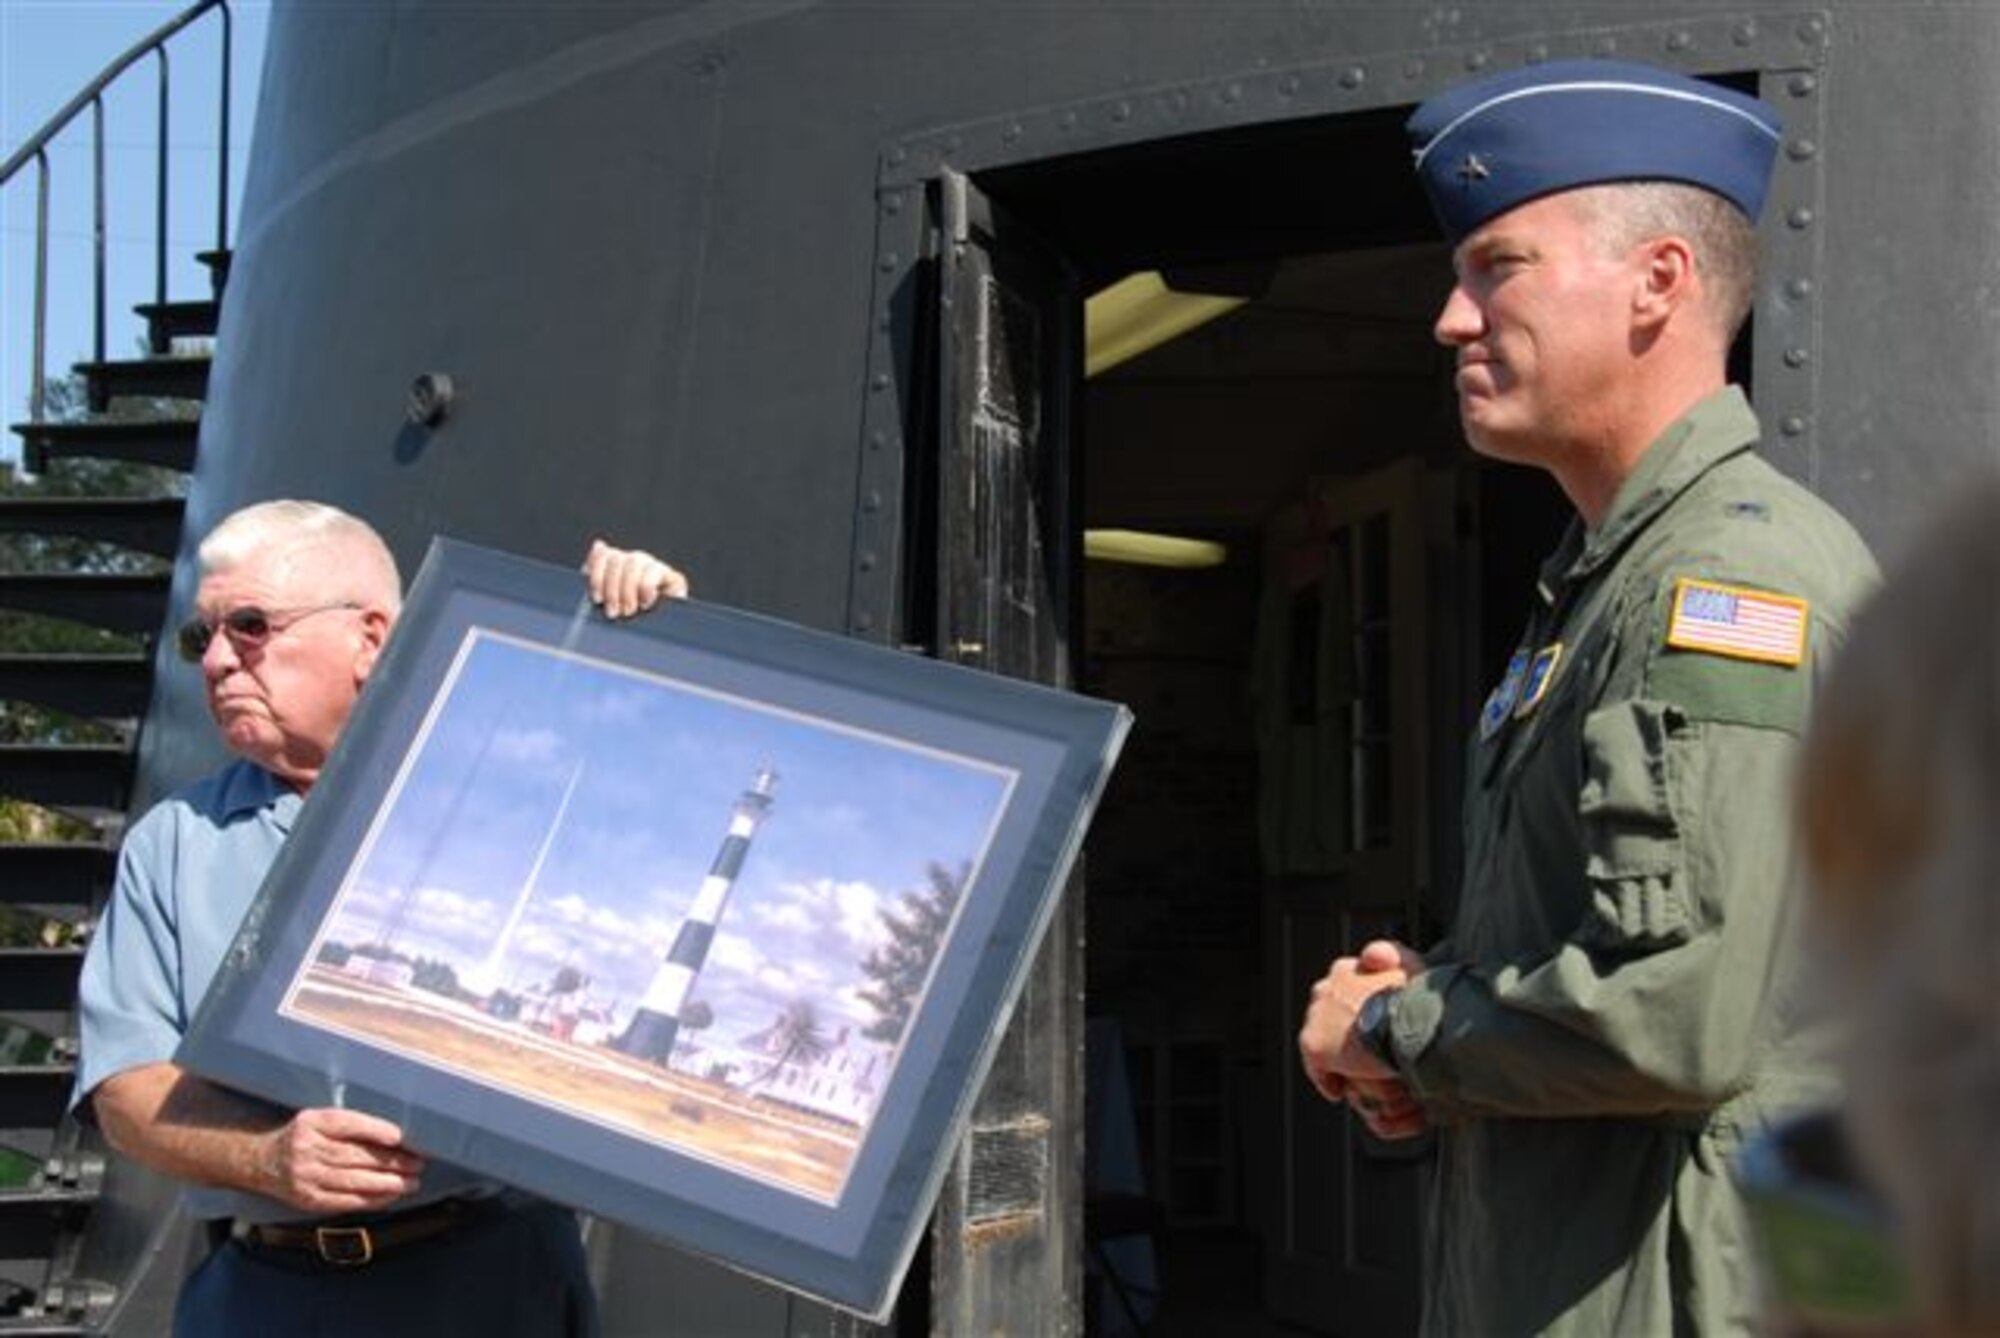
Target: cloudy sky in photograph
{"x":656,"y":768}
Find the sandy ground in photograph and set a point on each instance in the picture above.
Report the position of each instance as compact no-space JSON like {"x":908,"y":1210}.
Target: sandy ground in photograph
{"x":798,"y":1151}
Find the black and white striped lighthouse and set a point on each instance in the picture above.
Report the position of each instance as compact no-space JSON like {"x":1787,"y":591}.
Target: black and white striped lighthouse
{"x":651,"y":1032}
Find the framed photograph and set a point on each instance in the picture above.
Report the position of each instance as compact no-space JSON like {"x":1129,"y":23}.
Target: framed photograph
{"x":701,"y":922}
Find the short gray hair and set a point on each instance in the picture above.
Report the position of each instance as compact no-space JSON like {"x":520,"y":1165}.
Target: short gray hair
{"x":260,"y":528}
{"x":1723,"y":239}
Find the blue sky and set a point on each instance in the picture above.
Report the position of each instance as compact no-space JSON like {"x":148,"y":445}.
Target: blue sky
{"x":657,"y":768}
{"x":50,"y":49}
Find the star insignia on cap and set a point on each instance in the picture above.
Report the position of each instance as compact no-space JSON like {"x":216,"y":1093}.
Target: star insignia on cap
{"x":1473,"y":169}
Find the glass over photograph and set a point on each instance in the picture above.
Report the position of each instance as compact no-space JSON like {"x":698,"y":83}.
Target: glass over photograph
{"x":697,"y":919}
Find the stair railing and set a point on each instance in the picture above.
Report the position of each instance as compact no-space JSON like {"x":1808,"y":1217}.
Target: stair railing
{"x":35,"y":150}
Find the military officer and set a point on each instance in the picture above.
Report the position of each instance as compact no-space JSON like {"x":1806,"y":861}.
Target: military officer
{"x":1614,"y":1009}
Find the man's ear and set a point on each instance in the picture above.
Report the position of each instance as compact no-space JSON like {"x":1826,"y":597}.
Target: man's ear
{"x":375,"y":624}
{"x":1667,"y":280}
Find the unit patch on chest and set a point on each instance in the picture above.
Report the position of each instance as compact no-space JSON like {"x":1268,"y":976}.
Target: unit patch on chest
{"x":1500,"y":702}
{"x":1541,"y":673}
{"x":1739,"y":623}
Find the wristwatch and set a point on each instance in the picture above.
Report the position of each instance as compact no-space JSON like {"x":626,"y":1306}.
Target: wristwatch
{"x":1371,"y":1025}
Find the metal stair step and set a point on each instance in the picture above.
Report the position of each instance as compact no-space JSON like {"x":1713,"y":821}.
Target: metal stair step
{"x":104,"y":686}
{"x":33,"y":1096}
{"x":169,"y":443}
{"x":168,"y":378}
{"x":52,"y":1326}
{"x":94,"y":778}
{"x":31,"y":1217}
{"x":39,"y":979}
{"x":168,"y":321}
{"x":135,"y":604}
{"x":56,"y":873}
{"x":149,"y":524}
{"x":218,"y":267}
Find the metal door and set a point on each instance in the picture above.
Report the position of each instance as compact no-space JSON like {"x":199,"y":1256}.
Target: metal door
{"x":1342,"y":1209}
{"x":1007,"y":1240}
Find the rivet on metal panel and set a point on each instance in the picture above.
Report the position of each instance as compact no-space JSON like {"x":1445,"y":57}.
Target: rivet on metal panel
{"x":899,"y":155}
{"x":1538,"y":53}
{"x":1811,"y":31}
{"x":1288,"y":86}
{"x":1413,"y":69}
{"x":1233,"y":94}
{"x":1793,"y":425}
{"x":1798,"y":357}
{"x":1802,"y":86}
{"x":879,"y":383}
{"x":430,"y":399}
{"x":1799,"y":219}
{"x":877,"y":439}
{"x":1799,"y":289}
{"x":1680,"y":40}
{"x":1354,"y":76}
{"x":892,"y":203}
{"x":1121,"y":111}
{"x":1745,"y":32}
{"x":867,"y":562}
{"x":891,"y":262}
{"x":1607,"y":46}
{"x":1068,"y":120}
{"x":1477,"y":61}
{"x":1012,"y":132}
{"x":872,"y":502}
{"x":864,"y":622}
{"x":1802,"y":150}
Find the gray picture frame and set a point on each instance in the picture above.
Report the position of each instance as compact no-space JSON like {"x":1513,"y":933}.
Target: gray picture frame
{"x":950,"y":801}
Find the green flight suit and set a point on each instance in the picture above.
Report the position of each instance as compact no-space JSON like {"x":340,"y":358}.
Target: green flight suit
{"x":1615,"y":1008}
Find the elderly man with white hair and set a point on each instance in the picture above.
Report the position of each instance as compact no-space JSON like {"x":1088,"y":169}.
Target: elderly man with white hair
{"x":323,"y":1220}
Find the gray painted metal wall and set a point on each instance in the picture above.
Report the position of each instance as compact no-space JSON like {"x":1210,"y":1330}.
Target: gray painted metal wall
{"x":654,"y":246}
{"x":669,"y":255}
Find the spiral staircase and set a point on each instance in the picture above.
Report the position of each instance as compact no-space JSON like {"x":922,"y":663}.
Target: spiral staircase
{"x":71,"y":785}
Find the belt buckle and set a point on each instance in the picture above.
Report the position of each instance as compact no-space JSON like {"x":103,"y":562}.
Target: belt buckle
{"x":344,"y":1247}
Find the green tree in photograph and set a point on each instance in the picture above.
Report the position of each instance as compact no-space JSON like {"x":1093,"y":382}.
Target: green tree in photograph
{"x":901,"y":966}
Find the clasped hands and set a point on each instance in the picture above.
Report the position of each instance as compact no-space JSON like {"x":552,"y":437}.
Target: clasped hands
{"x":1336,"y":1062}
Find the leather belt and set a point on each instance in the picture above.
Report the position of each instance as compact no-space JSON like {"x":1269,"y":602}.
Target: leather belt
{"x":357,"y":1243}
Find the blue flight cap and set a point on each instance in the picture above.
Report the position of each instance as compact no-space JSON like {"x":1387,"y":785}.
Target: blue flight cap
{"x":1486,"y":146}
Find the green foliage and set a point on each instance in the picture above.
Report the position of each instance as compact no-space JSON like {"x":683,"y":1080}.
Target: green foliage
{"x":18,"y":1170}
{"x":899,"y":968}
{"x":25,"y":822}
{"x":25,"y":927}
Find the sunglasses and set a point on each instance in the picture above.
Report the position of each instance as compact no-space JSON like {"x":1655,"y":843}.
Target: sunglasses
{"x":248,"y":627}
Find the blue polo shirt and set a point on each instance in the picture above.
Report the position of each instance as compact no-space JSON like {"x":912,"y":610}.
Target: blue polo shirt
{"x":187,"y":874}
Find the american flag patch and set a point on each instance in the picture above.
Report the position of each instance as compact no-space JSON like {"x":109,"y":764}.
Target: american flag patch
{"x":1746,"y":624}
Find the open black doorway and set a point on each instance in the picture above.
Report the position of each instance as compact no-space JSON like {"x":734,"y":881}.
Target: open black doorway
{"x":1301,"y":701}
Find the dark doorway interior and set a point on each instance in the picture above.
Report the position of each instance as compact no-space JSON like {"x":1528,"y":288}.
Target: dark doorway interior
{"x":1275,"y":431}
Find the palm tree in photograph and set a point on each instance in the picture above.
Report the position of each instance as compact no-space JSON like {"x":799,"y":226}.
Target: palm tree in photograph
{"x":795,"y":1038}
